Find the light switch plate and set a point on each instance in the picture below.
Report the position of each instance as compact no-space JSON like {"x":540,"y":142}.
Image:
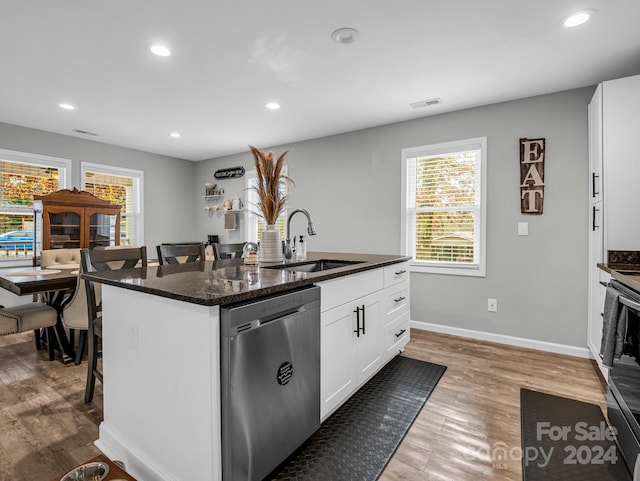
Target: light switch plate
{"x":523,"y":228}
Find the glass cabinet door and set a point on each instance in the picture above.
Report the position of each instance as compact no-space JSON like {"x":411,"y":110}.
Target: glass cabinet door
{"x":102,"y":229}
{"x":65,"y":230}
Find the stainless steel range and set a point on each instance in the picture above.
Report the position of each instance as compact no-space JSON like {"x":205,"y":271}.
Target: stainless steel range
{"x":270,"y":350}
{"x":623,"y":397}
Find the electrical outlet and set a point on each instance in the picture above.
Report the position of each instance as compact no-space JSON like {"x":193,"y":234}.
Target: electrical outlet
{"x":492,"y":305}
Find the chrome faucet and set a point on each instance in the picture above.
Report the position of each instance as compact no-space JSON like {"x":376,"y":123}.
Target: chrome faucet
{"x":311,"y":230}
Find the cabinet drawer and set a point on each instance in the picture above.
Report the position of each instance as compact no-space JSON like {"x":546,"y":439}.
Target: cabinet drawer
{"x":397,"y":335}
{"x":336,"y":292}
{"x":396,"y":301}
{"x":396,"y":273}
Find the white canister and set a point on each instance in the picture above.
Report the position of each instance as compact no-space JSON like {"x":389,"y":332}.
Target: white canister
{"x":236,"y":204}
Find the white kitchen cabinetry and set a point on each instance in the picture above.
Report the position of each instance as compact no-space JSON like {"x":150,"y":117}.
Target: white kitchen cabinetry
{"x":620,"y":166}
{"x":364,"y":323}
{"x":596,"y":227}
{"x":614,"y":199}
{"x":396,"y":308}
{"x":347,"y":355}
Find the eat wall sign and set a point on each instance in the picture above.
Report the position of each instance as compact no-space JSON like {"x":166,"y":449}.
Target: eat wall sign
{"x":532,"y":153}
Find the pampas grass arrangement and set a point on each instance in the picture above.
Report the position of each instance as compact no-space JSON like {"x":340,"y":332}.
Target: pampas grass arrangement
{"x":271,"y":201}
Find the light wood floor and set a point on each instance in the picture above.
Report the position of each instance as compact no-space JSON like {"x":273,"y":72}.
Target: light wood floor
{"x":47,"y":429}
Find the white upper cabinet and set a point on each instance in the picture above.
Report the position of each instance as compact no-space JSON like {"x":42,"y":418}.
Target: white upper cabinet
{"x":595,"y":147}
{"x":621,"y":162}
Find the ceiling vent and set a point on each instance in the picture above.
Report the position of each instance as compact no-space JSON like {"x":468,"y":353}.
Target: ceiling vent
{"x":84,"y":132}
{"x":425,"y":103}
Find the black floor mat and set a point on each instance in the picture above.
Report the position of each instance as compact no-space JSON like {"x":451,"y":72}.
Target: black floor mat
{"x":357,"y":441}
{"x":568,"y":440}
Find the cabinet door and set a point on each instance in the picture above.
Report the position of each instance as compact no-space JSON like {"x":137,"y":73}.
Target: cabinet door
{"x":621,"y":124}
{"x":62,"y":227}
{"x":337,"y":357}
{"x":595,"y":146}
{"x":103,"y":228}
{"x":368,"y":312}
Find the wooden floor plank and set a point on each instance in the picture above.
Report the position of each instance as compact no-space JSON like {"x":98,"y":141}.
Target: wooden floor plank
{"x":47,"y":429}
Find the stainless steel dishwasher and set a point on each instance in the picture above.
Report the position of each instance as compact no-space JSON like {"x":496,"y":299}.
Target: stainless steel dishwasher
{"x":270,"y":381}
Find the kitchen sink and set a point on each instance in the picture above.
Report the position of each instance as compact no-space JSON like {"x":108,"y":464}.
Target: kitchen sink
{"x":315,"y":266}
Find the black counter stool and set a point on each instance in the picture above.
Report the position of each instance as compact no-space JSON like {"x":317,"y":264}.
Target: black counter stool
{"x":102,"y":260}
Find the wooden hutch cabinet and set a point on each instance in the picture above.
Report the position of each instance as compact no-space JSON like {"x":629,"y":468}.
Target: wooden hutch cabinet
{"x":77,"y":219}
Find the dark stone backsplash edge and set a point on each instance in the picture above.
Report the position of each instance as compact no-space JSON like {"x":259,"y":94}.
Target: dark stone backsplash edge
{"x":625,"y":258}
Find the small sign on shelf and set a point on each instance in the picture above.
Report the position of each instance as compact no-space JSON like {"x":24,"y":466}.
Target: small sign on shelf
{"x":230,"y":173}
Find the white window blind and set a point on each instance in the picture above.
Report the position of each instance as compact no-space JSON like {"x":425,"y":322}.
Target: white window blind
{"x":255,"y":223}
{"x":22,"y":176}
{"x":444,"y":207}
{"x":122,"y":187}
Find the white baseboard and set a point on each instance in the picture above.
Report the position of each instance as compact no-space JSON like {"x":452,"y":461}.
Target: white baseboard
{"x":503,"y":339}
{"x":137,"y":464}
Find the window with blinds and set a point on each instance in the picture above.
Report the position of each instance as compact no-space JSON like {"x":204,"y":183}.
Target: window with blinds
{"x":21,"y":176}
{"x":255,"y":223}
{"x":122,"y":187}
{"x":444,"y":206}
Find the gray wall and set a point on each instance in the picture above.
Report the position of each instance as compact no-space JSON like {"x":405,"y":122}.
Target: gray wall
{"x":350,"y":183}
{"x":168,"y":182}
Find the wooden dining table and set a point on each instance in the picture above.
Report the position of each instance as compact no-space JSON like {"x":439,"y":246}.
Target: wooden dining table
{"x":56,"y":284}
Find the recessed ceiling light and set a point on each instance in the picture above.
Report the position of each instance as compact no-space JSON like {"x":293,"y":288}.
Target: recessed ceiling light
{"x":272,"y":105}
{"x":578,"y":18}
{"x":175,"y":135}
{"x":67,"y":106}
{"x":160,"y":50}
{"x":345,"y":35}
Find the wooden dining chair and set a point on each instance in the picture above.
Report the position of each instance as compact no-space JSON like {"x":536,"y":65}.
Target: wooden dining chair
{"x":34,"y":316}
{"x":102,"y":260}
{"x":74,"y":314}
{"x":228,"y":251}
{"x":180,"y":253}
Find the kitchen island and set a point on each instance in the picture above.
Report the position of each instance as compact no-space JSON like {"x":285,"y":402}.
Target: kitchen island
{"x":161,"y":351}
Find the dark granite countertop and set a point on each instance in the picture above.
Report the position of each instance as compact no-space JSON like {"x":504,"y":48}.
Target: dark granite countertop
{"x":222,"y":282}
{"x":628,"y":274}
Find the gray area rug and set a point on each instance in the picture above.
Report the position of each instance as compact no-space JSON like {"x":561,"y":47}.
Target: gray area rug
{"x":358,"y":440}
{"x":564,"y":439}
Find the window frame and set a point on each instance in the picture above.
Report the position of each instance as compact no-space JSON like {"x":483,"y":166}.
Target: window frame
{"x":252,"y":219}
{"x":137,"y":176}
{"x":477,"y":269}
{"x":64,"y":167}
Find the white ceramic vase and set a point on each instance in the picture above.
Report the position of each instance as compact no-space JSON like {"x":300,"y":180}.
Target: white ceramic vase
{"x":270,"y":246}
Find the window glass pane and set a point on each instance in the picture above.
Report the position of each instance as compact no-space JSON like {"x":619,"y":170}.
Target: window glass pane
{"x":444,"y":205}
{"x":446,"y":180}
{"x":16,"y":236}
{"x":256,"y":224}
{"x":445,"y":236}
{"x":121,"y":190}
{"x":112,"y":188}
{"x":20,"y":181}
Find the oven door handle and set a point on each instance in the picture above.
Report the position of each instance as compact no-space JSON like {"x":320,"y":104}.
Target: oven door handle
{"x":629,"y":303}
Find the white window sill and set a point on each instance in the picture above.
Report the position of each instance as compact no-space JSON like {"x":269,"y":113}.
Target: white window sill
{"x":452,"y":270}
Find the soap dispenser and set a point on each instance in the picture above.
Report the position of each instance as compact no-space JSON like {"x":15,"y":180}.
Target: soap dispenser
{"x":301,"y":250}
